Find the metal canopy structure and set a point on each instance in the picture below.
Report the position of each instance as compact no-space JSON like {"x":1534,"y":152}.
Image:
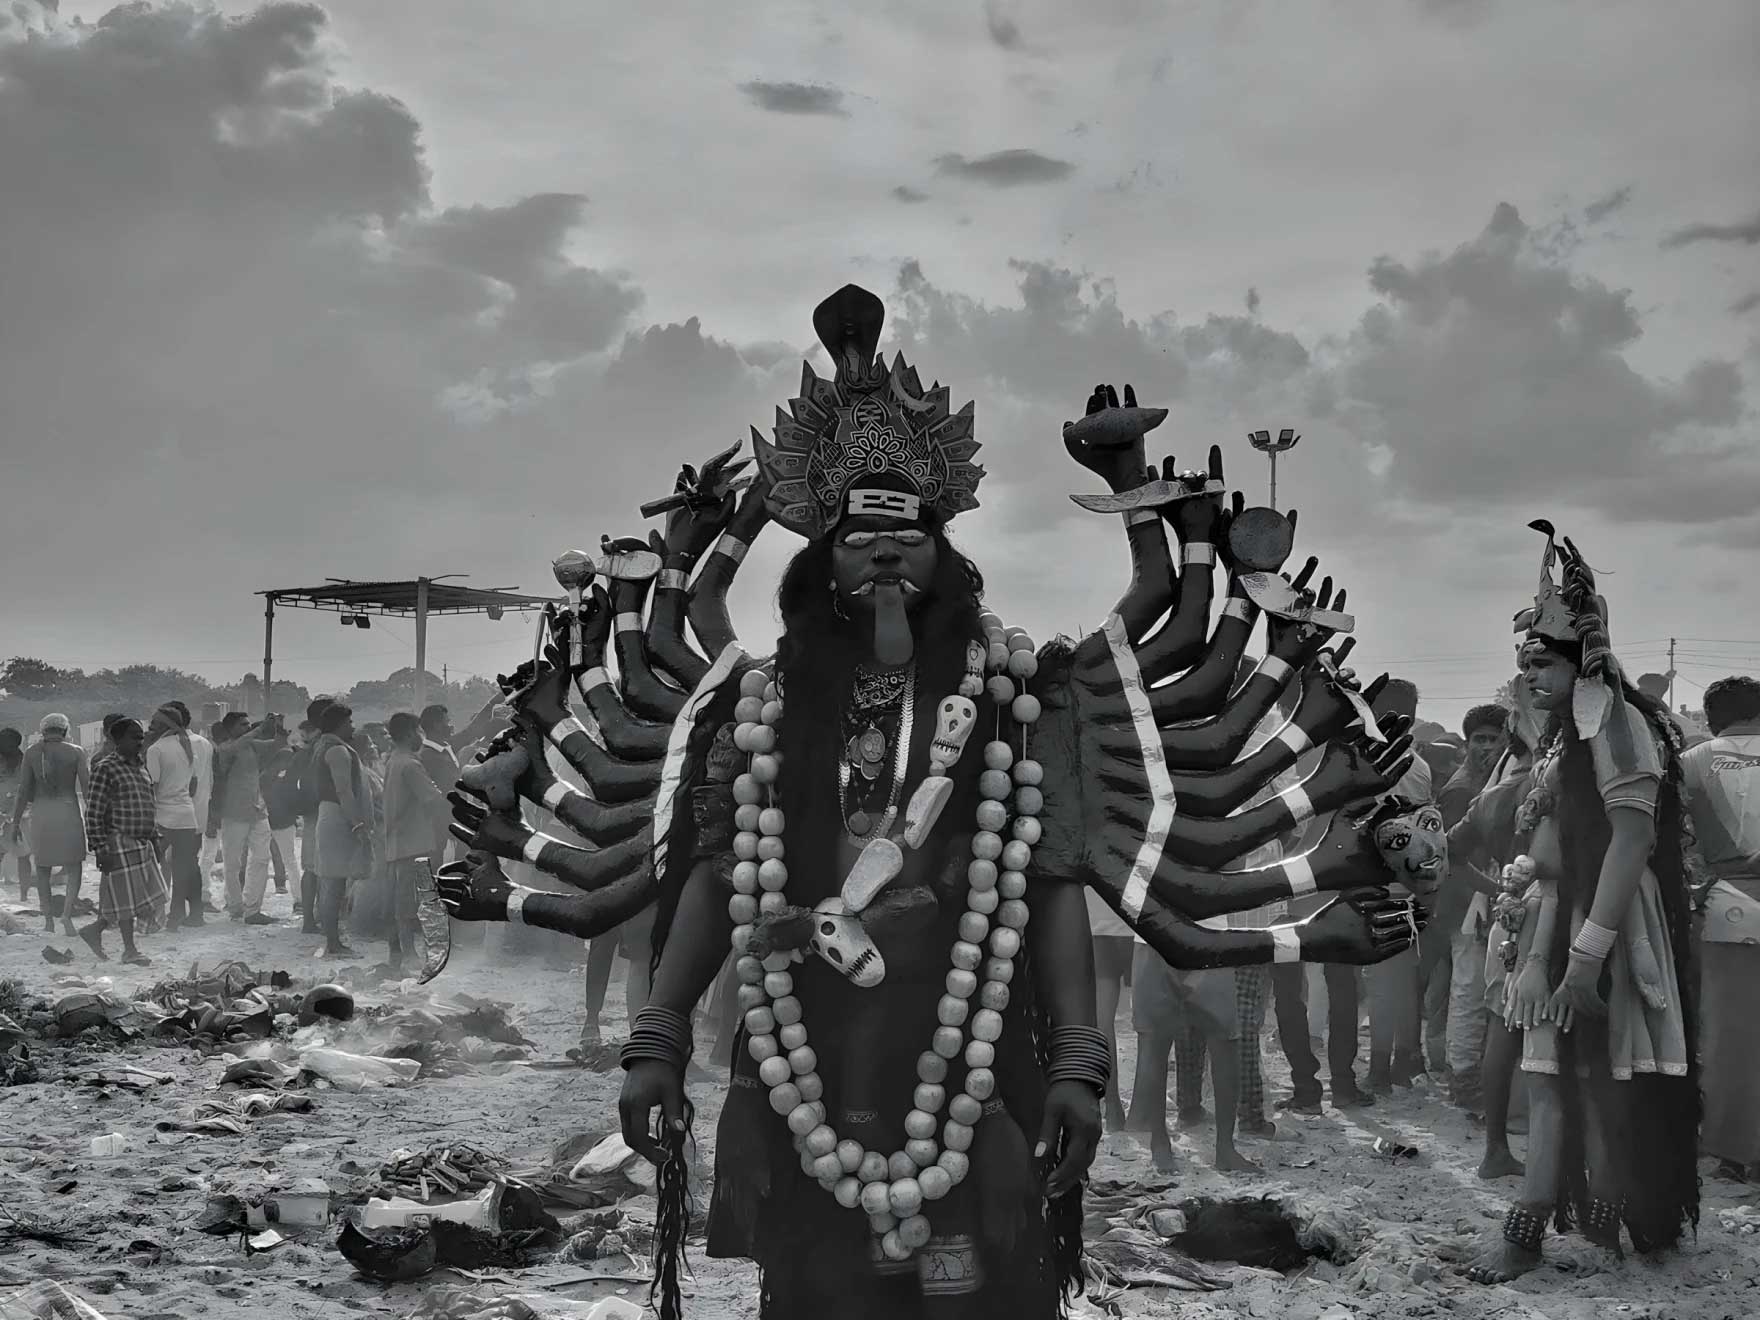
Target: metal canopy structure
{"x":416,"y":599}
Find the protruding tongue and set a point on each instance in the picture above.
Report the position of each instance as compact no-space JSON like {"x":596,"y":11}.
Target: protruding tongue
{"x":893,"y":643}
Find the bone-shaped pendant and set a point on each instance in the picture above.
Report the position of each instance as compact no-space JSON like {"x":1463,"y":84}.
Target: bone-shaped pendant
{"x":925,"y":809}
{"x":955,"y":718}
{"x":840,"y":940}
{"x":1275,"y":596}
{"x":1155,"y":494}
{"x":877,"y":866}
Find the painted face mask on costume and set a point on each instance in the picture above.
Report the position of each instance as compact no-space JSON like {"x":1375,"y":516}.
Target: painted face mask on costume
{"x":1414,"y":844}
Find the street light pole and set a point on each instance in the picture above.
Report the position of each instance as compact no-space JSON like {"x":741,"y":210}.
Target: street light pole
{"x":1262,"y":441}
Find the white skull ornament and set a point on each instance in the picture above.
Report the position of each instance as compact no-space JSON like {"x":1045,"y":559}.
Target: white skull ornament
{"x":955,"y":718}
{"x":842,"y":941}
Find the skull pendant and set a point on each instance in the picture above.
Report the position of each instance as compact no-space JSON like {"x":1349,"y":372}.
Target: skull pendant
{"x":842,"y":941}
{"x":955,"y":718}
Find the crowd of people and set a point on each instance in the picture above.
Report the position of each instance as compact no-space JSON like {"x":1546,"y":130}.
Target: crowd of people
{"x":347,"y":821}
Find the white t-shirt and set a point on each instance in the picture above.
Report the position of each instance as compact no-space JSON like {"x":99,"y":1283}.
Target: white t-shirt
{"x":170,"y":770}
{"x":204,"y":768}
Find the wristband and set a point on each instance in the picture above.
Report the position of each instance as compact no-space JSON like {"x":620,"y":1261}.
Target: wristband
{"x":1136,"y":517}
{"x":516,"y":904}
{"x":1593,"y":941}
{"x":673,"y":579}
{"x":1238,"y":607}
{"x":564,"y":729}
{"x":1198,"y":552}
{"x":1278,"y":671}
{"x":1301,"y":876}
{"x":1295,"y":737}
{"x":732,"y":547}
{"x":1297,"y":802}
{"x":596,"y":677}
{"x":555,"y":795}
{"x":1286,"y":945}
{"x":628,"y":621}
{"x":534,"y":846}
{"x":658,"y":1033}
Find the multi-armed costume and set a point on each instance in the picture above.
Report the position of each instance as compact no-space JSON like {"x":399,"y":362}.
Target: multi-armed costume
{"x":888,"y":826}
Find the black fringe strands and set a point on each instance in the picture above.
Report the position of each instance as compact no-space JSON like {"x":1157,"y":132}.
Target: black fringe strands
{"x":672,"y":1217}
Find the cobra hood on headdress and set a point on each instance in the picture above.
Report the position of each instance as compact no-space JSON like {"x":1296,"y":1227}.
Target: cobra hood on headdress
{"x":870,"y":440}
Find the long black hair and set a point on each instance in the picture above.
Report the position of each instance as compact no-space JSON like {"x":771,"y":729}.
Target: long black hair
{"x":816,"y":659}
{"x":1659,"y":1148}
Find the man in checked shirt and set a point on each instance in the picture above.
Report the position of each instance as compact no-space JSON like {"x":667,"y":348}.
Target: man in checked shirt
{"x":120,"y":831}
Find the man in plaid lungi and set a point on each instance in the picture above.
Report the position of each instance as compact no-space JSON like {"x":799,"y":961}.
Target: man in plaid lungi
{"x":121,"y":832}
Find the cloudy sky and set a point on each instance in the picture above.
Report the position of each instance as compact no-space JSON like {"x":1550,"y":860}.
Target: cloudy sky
{"x":397,"y":286}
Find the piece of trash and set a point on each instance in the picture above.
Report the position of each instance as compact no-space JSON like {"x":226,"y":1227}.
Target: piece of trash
{"x":481,"y":1211}
{"x":613,"y":1156}
{"x":60,"y":957}
{"x":1394,"y":1151}
{"x":267,"y":1240}
{"x":358,"y":1072}
{"x":326,"y":1001}
{"x":258,"y":1072}
{"x":304,"y":1205}
{"x":1167,"y":1223}
{"x":46,"y":1301}
{"x":614,"y":1308}
{"x":392,"y":1255}
{"x":66,"y":1187}
{"x":111,"y":1143}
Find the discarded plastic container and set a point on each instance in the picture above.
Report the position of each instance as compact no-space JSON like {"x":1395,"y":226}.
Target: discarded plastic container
{"x":111,"y":1143}
{"x":481,"y":1211}
{"x":304,"y":1205}
{"x":615,"y":1308}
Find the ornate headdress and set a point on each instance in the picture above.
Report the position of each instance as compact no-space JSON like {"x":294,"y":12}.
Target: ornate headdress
{"x":1571,"y":617}
{"x":869,"y":440}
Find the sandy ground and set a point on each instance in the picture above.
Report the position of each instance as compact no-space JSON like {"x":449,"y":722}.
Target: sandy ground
{"x":1410,"y":1224}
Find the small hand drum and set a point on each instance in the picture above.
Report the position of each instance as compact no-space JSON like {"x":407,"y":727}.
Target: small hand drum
{"x":1259,"y":540}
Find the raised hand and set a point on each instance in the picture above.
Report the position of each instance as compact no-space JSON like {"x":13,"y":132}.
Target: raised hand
{"x":1295,"y":641}
{"x":1358,"y":768}
{"x":702,"y":502}
{"x":1364,"y":926}
{"x":1203,"y":518}
{"x":1112,"y":446}
{"x":499,"y":832}
{"x":474,"y":889}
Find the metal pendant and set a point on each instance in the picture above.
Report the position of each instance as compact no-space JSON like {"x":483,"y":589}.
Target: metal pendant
{"x":859,"y":824}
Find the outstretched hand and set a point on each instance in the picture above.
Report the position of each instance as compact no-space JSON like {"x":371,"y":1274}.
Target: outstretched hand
{"x":474,"y":889}
{"x":1120,"y":466}
{"x":499,"y":832}
{"x":1364,"y":926}
{"x":1201,"y":519}
{"x":1359,"y":767}
{"x":1325,"y":711}
{"x":707,"y":500}
{"x":1294,"y":641}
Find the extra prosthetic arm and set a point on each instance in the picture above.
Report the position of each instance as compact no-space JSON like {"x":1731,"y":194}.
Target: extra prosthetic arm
{"x":707,"y":610}
{"x":477,"y":890}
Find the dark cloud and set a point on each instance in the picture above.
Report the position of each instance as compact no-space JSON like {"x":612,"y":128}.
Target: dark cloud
{"x":1005,"y":169}
{"x":1003,"y":29}
{"x":792,"y":98}
{"x":1252,"y":302}
{"x":1742,"y":231}
{"x":1745,"y":304}
{"x":1602,"y":207}
{"x":909,"y":196}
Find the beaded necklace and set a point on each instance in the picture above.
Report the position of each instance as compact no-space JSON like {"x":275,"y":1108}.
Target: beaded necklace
{"x":894,"y":1191}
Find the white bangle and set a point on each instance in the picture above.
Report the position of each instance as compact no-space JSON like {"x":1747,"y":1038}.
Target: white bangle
{"x":1296,"y":801}
{"x":1593,"y":941}
{"x":534,"y":846}
{"x":1300,"y":876}
{"x":597,"y":676}
{"x":1286,"y":945}
{"x":731,"y":546}
{"x":1278,"y":671}
{"x":628,"y":621}
{"x":1139,"y":516}
{"x":516,"y":904}
{"x":1199,"y":552}
{"x":555,"y":795}
{"x":673,"y":579}
{"x":1295,"y":737}
{"x":1238,"y":607}
{"x":564,"y":729}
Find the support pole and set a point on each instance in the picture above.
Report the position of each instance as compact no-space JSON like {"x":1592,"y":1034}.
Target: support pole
{"x":268,"y":656}
{"x":1671,"y":675}
{"x":1274,"y":481}
{"x":421,"y":643}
